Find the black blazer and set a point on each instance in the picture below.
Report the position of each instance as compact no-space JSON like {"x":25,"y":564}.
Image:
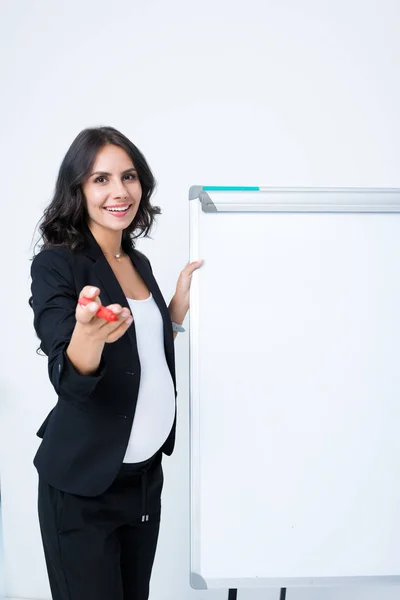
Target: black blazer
{"x":86,"y":434}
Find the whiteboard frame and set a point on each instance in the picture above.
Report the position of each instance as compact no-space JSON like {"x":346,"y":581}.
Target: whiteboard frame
{"x":261,"y":199}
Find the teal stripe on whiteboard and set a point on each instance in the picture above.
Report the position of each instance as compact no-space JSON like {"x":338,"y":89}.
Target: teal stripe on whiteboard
{"x":222,"y":188}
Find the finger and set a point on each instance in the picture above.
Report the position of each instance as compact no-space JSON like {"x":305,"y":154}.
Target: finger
{"x":121,"y":311}
{"x":122,"y":314}
{"x":189,"y":270}
{"x":85,"y":313}
{"x":120,"y":330}
{"x":192,"y":266}
{"x":90,"y":291}
{"x":116,"y":308}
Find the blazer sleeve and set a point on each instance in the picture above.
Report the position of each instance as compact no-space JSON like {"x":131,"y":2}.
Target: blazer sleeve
{"x":53,"y":303}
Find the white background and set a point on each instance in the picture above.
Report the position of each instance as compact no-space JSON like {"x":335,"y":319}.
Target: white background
{"x":218,"y":92}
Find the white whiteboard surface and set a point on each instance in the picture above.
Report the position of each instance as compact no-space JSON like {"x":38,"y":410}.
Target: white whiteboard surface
{"x":294,"y":399}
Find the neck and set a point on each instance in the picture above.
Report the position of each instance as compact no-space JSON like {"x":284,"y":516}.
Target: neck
{"x":109,"y":241}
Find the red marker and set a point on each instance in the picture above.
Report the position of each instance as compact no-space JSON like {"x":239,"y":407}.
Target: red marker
{"x":103,"y":312}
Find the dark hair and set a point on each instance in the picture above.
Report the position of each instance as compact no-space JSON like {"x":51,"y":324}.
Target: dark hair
{"x":64,"y":219}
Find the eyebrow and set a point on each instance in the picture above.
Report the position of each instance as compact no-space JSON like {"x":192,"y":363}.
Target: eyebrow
{"x":105,"y":172}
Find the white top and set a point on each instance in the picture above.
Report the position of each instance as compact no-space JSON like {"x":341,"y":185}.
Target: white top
{"x":155,"y":409}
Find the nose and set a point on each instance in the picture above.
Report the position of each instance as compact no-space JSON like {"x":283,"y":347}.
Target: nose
{"x":118,"y":189}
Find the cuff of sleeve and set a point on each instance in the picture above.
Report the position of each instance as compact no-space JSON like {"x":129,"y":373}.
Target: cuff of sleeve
{"x":74,"y":383}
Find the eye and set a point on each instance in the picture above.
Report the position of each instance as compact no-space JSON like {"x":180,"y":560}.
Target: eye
{"x":132,"y":177}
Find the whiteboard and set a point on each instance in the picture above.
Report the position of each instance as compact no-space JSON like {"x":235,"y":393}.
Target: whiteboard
{"x":294,"y":387}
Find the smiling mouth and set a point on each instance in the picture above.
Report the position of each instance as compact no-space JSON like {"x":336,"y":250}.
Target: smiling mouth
{"x":117,"y":211}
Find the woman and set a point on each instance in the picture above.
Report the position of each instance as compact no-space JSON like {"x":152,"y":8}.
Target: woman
{"x":99,"y":462}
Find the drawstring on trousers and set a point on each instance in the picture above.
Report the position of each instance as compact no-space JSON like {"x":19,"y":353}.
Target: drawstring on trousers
{"x":142,"y":469}
{"x":145,"y":515}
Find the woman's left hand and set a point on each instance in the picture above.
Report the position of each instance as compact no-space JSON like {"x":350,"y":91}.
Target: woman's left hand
{"x":182,"y":293}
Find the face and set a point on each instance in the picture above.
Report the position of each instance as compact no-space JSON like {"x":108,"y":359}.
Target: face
{"x":112,"y":184}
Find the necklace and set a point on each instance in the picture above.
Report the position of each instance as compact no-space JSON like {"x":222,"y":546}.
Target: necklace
{"x":111,"y":254}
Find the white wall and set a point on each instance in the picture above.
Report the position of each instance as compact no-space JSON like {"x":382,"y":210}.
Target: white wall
{"x":267,"y":92}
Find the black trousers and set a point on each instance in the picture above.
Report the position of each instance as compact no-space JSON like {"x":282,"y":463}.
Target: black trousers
{"x":103,"y":547}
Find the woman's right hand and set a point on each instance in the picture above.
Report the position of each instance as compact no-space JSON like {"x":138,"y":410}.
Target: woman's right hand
{"x":97,"y":328}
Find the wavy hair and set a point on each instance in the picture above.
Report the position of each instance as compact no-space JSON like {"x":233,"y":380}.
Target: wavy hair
{"x":64,"y":219}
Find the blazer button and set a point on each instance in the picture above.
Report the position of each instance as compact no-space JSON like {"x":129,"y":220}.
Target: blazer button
{"x":129,"y":372}
{"x":122,"y":416}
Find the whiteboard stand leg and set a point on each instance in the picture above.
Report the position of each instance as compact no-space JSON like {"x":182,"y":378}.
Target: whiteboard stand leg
{"x":283,"y":594}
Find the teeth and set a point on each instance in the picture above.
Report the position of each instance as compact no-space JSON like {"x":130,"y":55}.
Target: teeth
{"x":118,"y":209}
